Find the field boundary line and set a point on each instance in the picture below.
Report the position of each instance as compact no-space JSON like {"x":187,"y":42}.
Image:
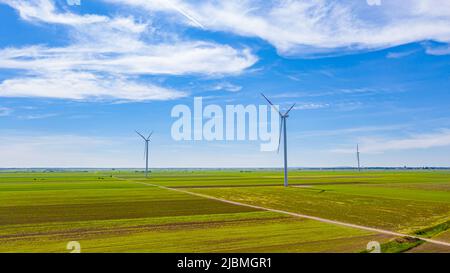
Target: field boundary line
{"x":299,"y":215}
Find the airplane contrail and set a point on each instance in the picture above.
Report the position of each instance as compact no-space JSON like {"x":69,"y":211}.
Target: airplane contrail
{"x":185,"y":14}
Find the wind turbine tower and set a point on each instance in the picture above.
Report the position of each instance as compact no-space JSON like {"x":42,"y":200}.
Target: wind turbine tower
{"x":146,"y":140}
{"x":283,"y":131}
{"x":357,"y":157}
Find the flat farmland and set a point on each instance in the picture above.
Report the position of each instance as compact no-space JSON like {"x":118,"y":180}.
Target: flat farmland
{"x":375,"y":206}
{"x":120,"y":211}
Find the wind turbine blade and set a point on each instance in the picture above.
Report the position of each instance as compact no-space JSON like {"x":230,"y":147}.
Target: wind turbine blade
{"x":140,"y":134}
{"x":287,"y":112}
{"x":279,"y":136}
{"x":150,"y":135}
{"x":267,"y":99}
{"x":271,"y":104}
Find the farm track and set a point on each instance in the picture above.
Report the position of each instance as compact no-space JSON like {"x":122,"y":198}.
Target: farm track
{"x":367,"y":228}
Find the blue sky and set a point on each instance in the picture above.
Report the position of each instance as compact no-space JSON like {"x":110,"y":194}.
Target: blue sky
{"x":76,"y":81}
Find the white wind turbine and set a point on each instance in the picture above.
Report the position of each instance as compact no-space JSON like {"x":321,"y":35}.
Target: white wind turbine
{"x":357,"y":157}
{"x":283,"y":129}
{"x":146,"y":140}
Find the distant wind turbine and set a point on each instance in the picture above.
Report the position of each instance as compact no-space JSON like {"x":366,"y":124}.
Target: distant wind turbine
{"x":283,"y":130}
{"x":146,"y":140}
{"x":357,"y":157}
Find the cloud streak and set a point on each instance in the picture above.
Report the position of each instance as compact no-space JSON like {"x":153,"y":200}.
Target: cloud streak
{"x":417,"y":141}
{"x":5,"y":111}
{"x":65,"y":150}
{"x":84,"y":86}
{"x":438,"y":50}
{"x":226,"y":86}
{"x":311,"y":106}
{"x":45,"y":11}
{"x":401,"y":54}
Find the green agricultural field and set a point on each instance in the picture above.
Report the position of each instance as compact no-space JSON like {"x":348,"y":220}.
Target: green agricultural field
{"x":121,"y":211}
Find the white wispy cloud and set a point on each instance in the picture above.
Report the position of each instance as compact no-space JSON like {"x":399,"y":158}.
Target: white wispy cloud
{"x":311,"y":106}
{"x":351,"y":131}
{"x":45,"y":11}
{"x":416,"y":141}
{"x":82,"y":86}
{"x":438,"y":50}
{"x":5,"y":111}
{"x":314,"y":27}
{"x":30,"y":149}
{"x":400,"y":54}
{"x":37,"y":116}
{"x":227,"y":86}
{"x":356,"y":91}
{"x":106,"y":56}
{"x":142,"y":59}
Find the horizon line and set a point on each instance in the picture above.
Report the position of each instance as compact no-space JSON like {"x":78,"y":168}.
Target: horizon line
{"x":222,"y":168}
